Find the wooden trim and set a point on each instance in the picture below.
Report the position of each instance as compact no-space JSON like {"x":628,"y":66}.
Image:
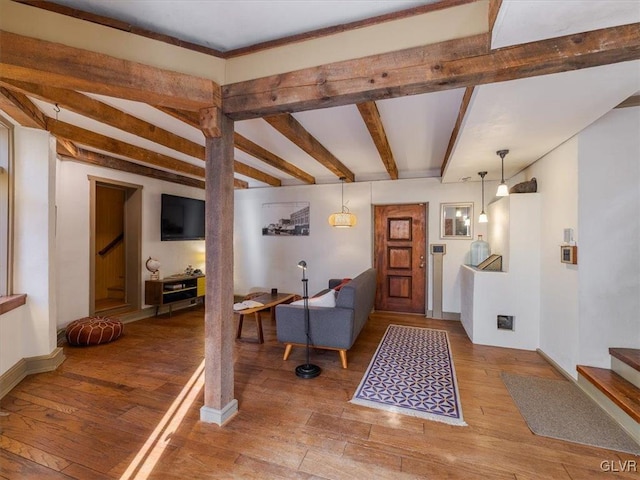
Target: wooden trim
{"x":237,"y":52}
{"x":38,"y":61}
{"x":371,"y":117}
{"x":457,"y":63}
{"x":288,"y":126}
{"x":29,"y":366}
{"x":11,"y":302}
{"x":464,"y":106}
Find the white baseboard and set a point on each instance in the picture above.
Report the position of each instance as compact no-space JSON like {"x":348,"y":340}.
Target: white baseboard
{"x":29,"y":366}
{"x":219,"y":417}
{"x":445,"y":315}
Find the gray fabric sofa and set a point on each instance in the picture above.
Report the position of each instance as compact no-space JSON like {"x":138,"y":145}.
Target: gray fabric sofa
{"x":333,"y":328}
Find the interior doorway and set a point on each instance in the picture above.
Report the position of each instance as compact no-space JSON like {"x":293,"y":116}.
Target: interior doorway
{"x":400,"y":233}
{"x":115,"y":240}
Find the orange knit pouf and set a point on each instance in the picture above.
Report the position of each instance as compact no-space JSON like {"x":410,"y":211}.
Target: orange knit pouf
{"x":93,"y":331}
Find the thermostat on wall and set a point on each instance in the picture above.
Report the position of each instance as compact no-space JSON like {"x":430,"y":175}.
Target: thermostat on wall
{"x":438,"y":249}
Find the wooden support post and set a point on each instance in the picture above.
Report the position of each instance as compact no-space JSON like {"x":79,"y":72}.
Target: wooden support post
{"x":219,"y":404}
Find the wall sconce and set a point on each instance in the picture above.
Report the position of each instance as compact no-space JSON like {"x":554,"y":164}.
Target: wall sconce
{"x":344,"y":218}
{"x":503,"y":190}
{"x":483,"y":216}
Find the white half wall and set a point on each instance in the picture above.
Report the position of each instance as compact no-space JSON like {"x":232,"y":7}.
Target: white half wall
{"x":609,"y":246}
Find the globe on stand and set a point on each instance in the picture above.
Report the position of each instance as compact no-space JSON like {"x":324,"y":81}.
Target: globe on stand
{"x":153,"y":266}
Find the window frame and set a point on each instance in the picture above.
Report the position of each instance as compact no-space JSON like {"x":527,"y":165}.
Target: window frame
{"x":6,"y":207}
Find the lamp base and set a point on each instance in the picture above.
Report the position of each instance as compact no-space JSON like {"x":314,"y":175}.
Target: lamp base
{"x":308,"y":370}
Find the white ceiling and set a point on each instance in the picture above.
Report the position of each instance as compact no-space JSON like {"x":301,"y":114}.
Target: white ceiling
{"x":529,"y":117}
{"x":229,"y":24}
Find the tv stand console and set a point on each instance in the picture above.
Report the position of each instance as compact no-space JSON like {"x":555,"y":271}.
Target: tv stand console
{"x":170,"y":290}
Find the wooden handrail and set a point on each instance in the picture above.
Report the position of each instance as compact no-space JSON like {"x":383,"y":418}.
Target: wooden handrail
{"x":112,"y":244}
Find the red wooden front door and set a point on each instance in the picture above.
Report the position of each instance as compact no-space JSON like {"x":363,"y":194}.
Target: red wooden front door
{"x":400,"y":257}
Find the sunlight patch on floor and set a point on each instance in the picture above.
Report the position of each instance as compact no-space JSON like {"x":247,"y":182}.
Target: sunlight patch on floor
{"x":146,"y":459}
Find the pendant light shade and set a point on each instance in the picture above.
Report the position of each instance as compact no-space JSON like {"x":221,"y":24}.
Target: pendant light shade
{"x":503,"y":190}
{"x":342,"y":219}
{"x":483,"y":216}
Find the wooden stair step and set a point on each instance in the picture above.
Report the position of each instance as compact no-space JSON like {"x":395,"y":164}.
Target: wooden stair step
{"x":630,"y":356}
{"x":621,"y":392}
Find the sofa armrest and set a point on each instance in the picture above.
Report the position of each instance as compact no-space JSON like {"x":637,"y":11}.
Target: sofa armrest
{"x":328,"y":327}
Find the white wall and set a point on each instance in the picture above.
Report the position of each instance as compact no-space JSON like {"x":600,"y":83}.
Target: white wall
{"x":609,"y":246}
{"x":557,"y":177}
{"x":29,"y":330}
{"x":266,"y":262}
{"x":73,"y":233}
{"x":591,"y":183}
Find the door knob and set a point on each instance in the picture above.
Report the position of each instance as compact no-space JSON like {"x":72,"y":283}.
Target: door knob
{"x":421,"y":261}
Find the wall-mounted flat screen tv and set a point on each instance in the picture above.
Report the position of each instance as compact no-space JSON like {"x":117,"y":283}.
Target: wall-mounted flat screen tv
{"x":182,"y":218}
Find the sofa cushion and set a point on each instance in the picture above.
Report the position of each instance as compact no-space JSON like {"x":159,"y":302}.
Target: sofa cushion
{"x":342,"y":284}
{"x":326,"y":300}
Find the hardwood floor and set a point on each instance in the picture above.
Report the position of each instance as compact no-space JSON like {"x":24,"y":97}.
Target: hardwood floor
{"x":101,"y":412}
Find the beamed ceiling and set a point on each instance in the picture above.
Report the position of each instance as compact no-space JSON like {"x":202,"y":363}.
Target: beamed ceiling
{"x":534,"y":75}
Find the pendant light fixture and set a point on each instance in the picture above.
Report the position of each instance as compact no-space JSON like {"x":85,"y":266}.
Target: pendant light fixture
{"x":503,"y":190}
{"x":483,"y":216}
{"x":342,"y":219}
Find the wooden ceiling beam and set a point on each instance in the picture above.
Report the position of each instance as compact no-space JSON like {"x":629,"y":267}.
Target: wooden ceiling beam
{"x":104,"y":113}
{"x":240,"y":184}
{"x":190,"y":118}
{"x":102,"y":142}
{"x":288,"y":126}
{"x":456,"y":129}
{"x":454,"y":64}
{"x":255,"y":150}
{"x":67,"y":147}
{"x":371,"y":116}
{"x":249,"y":171}
{"x":101,"y":112}
{"x":107,"y":161}
{"x":21,"y":109}
{"x":633,"y":101}
{"x":386,"y":75}
{"x":38,"y":61}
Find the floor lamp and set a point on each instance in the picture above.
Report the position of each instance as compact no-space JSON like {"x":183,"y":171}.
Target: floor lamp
{"x":306,"y":370}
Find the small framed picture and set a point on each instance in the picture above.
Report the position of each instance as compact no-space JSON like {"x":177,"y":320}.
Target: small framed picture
{"x":569,"y":254}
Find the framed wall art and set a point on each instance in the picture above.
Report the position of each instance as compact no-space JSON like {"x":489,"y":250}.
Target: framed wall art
{"x":285,"y":219}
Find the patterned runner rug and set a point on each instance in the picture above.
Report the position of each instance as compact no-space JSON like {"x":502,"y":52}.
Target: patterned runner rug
{"x":412,"y":373}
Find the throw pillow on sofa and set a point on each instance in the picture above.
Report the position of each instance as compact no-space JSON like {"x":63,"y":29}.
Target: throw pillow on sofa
{"x":326,"y":300}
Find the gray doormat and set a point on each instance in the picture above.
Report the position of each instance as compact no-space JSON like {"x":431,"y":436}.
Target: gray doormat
{"x":559,"y":409}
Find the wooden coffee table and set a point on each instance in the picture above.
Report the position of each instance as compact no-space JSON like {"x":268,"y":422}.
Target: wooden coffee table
{"x":269,"y":302}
